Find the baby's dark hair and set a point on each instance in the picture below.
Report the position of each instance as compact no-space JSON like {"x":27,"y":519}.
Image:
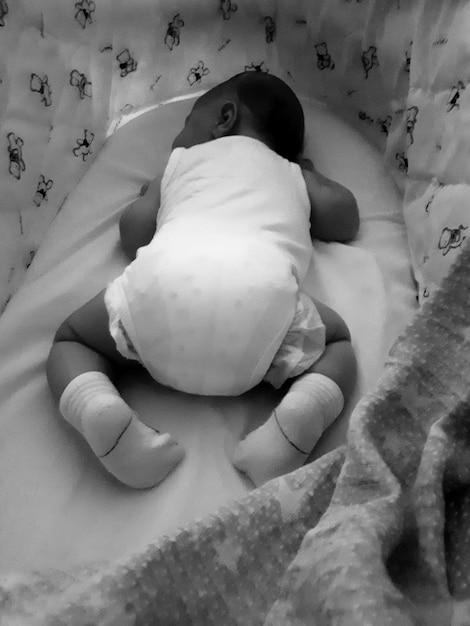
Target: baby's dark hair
{"x":276,"y":110}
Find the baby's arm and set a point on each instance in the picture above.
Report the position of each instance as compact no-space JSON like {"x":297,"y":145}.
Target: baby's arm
{"x":139,"y":221}
{"x":334,"y":216}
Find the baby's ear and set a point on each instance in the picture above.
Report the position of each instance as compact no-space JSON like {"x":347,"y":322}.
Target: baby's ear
{"x":227,"y":119}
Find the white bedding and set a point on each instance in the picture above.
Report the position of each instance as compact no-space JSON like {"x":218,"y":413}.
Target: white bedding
{"x":58,"y":506}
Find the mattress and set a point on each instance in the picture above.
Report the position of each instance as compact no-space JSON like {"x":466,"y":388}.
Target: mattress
{"x":59,"y":507}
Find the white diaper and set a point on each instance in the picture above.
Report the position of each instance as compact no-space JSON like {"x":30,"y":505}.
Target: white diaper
{"x":215,"y":320}
{"x":302,"y":346}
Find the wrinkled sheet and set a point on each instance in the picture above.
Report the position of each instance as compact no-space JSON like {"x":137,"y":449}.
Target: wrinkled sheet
{"x":61,"y":507}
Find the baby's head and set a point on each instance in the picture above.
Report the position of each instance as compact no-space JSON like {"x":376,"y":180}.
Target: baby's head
{"x":254,"y":104}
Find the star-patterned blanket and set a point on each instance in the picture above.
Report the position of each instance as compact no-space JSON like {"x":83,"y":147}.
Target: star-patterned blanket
{"x":372,"y":533}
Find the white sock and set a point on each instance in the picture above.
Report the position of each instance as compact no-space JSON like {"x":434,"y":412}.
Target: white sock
{"x":135,"y":454}
{"x":284,"y":442}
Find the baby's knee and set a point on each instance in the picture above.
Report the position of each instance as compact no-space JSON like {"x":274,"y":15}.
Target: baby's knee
{"x":66,"y":331}
{"x":337,"y":331}
{"x":336,"y":328}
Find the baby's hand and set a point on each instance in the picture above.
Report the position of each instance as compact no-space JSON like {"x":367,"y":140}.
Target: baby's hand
{"x":148,"y":200}
{"x":305,"y":164}
{"x":151,"y":187}
{"x":139,"y":220}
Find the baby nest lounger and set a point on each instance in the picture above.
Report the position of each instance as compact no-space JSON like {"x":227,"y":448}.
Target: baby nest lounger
{"x":59,"y":506}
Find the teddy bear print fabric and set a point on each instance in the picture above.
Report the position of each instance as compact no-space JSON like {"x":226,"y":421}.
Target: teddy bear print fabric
{"x":71,"y":69}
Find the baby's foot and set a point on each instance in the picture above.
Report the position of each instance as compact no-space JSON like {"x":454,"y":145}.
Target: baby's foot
{"x":284,"y":442}
{"x":141,"y":456}
{"x":265,"y":454}
{"x":135,"y":454}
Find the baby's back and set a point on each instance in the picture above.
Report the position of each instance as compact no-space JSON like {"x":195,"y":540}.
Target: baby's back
{"x":236,"y":188}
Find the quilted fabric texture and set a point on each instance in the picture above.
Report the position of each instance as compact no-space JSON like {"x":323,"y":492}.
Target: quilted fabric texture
{"x":377,"y":532}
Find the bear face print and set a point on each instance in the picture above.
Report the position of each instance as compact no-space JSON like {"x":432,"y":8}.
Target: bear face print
{"x":451,"y":238}
{"x":41,"y":191}
{"x":324,"y":60}
{"x":3,"y":11}
{"x":228,"y":7}
{"x":126,"y":63}
{"x":84,"y":14}
{"x":83,"y":148}
{"x":41,"y":86}
{"x":173,"y":33}
{"x":80,"y":81}
{"x":15,"y":154}
{"x":369,"y":60}
{"x":196,"y":74}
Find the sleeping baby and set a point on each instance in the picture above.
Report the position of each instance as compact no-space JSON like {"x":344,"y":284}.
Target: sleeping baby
{"x":212,"y":302}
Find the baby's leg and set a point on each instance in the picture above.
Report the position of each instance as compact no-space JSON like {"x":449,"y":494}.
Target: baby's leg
{"x":80,"y":367}
{"x":313,"y":401}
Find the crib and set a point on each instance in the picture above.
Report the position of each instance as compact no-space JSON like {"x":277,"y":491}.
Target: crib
{"x":373,"y":529}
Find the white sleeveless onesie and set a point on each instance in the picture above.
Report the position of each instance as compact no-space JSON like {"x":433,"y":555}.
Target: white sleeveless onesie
{"x":213,"y":304}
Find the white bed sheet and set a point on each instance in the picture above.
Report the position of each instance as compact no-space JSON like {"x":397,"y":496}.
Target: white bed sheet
{"x":58,"y":506}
